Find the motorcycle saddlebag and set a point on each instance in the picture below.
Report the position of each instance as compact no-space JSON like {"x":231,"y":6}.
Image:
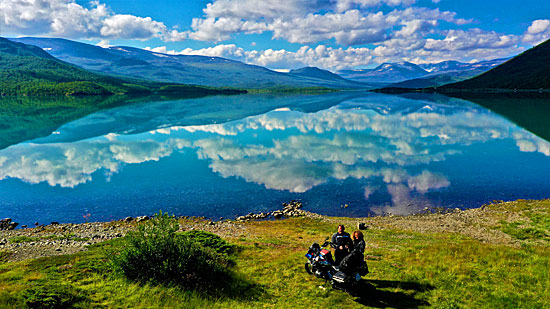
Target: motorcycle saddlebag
{"x":339,"y":277}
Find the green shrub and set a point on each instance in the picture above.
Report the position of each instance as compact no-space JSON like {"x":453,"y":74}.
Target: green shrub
{"x":210,"y":240}
{"x":155,"y":253}
{"x":45,"y":294}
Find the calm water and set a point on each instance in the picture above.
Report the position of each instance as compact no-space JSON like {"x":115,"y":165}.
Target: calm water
{"x":226,"y":156}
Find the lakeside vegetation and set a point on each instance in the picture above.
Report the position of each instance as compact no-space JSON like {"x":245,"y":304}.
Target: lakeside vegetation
{"x":409,"y":268}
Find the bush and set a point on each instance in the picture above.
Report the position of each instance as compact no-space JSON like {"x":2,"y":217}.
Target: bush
{"x":155,"y":253}
{"x":210,"y":240}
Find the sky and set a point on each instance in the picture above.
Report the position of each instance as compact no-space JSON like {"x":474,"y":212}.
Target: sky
{"x":287,"y":34}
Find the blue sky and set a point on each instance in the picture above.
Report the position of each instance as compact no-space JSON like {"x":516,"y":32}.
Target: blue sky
{"x":282,"y":34}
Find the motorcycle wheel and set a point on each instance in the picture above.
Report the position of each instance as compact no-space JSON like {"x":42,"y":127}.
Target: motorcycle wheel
{"x":309,"y":268}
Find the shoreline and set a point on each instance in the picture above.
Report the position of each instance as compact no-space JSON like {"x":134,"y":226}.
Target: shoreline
{"x":58,"y":239}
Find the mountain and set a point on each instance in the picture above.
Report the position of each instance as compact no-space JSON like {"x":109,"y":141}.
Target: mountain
{"x":447,"y":72}
{"x":425,"y":82}
{"x":528,"y":70}
{"x":187,"y":69}
{"x":410,"y":75}
{"x":314,"y":72}
{"x":455,"y":66}
{"x":29,"y":70}
{"x":385,"y":73}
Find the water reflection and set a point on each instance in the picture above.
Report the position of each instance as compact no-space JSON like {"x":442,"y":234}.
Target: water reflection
{"x":401,"y":154}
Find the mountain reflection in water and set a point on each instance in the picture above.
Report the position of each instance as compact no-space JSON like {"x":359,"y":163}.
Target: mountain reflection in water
{"x":377,"y":153}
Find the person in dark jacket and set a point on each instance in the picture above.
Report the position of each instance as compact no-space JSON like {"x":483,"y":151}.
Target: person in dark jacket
{"x":358,"y":245}
{"x":341,"y":242}
{"x":356,"y":257}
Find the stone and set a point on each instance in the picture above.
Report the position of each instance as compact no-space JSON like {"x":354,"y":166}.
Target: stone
{"x":12,"y":225}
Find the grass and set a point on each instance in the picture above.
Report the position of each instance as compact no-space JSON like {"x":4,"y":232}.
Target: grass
{"x":535,"y":222}
{"x":411,"y":270}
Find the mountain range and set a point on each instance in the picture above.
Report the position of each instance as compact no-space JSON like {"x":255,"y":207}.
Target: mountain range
{"x":29,"y":70}
{"x":185,"y":69}
{"x":385,"y":73}
{"x":410,"y":75}
{"x":115,"y":68}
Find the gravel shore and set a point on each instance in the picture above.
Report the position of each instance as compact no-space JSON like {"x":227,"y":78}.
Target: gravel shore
{"x":58,"y":239}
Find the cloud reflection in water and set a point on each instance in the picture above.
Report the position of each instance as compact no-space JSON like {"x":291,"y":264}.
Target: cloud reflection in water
{"x":292,"y":151}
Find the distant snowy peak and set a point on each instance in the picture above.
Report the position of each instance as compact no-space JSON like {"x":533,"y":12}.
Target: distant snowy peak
{"x":455,"y":66}
{"x":389,"y":73}
{"x":400,"y":66}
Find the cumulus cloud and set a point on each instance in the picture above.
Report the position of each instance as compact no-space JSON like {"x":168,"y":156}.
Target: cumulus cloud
{"x":68,"y":19}
{"x":538,"y":31}
{"x":348,"y":22}
{"x":398,"y":30}
{"x":405,"y":33}
{"x":406,"y":44}
{"x":472,"y":39}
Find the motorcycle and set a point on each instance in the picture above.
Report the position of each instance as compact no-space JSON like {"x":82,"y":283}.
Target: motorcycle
{"x":319,"y":261}
{"x":321,"y":264}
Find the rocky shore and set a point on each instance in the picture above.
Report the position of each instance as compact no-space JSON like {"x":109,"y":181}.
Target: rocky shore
{"x":57,"y":239}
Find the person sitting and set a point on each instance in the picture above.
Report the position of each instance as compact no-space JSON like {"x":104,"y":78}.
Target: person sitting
{"x":341,"y":242}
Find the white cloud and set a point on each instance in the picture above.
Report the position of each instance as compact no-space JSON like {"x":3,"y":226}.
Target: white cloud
{"x":538,"y":31}
{"x":68,"y":19}
{"x":407,"y":44}
{"x":471,"y":39}
{"x":348,"y":22}
{"x":398,"y":30}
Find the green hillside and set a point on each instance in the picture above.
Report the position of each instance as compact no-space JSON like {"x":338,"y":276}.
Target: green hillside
{"x":528,"y":71}
{"x":28,"y":70}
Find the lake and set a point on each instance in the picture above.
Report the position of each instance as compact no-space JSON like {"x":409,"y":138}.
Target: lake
{"x":224,"y":156}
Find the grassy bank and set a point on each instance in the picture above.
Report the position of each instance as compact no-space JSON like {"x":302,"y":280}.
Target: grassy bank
{"x":495,"y":256}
